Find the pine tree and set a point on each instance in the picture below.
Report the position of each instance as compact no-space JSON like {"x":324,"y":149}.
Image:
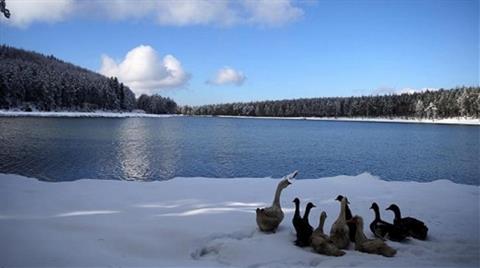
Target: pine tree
{"x":463,"y":103}
{"x":31,"y":80}
{"x":419,"y":109}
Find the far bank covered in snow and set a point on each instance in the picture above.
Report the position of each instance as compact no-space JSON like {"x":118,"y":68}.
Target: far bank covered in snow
{"x":98,"y":114}
{"x":446,"y":121}
{"x":211,"y":222}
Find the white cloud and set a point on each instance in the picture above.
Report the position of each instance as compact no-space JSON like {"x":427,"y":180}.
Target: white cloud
{"x":25,"y":12}
{"x":182,"y":13}
{"x":228,"y":75}
{"x":272,"y":12}
{"x":144,"y":71}
{"x":122,"y":9}
{"x":165,"y":12}
{"x":203,"y":12}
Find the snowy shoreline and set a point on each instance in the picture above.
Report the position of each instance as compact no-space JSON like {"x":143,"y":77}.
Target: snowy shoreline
{"x":99,"y":114}
{"x":211,"y":222}
{"x":445,"y":121}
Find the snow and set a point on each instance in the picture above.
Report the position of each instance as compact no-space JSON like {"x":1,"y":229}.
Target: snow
{"x":7,"y":113}
{"x":449,"y":121}
{"x":211,"y":222}
{"x":445,"y":121}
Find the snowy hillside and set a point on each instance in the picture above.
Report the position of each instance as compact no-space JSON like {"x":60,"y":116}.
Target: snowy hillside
{"x":211,"y":222}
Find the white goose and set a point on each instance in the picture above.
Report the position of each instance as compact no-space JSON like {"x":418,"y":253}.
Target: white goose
{"x":269,"y":218}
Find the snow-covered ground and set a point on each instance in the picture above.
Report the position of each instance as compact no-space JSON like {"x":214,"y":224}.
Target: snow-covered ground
{"x":447,"y":121}
{"x":450,"y":121}
{"x":4,"y":113}
{"x":211,"y":222}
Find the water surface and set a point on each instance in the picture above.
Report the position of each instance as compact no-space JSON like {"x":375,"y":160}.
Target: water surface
{"x":64,"y":149}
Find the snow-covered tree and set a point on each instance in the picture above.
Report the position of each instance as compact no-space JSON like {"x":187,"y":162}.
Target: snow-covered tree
{"x":404,"y":105}
{"x":478,"y":105}
{"x":31,"y":80}
{"x":419,"y":109}
{"x":464,"y":103}
{"x":431,"y":111}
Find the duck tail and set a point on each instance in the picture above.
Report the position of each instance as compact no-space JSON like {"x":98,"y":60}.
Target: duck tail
{"x":424,"y":232}
{"x":388,"y":251}
{"x":339,"y":253}
{"x":420,"y":233}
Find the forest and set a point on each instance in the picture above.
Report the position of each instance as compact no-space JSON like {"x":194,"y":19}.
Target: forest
{"x":458,"y":102}
{"x":32,"y":81}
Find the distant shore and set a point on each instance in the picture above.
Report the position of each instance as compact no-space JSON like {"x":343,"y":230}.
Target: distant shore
{"x":4,"y":113}
{"x":445,"y":121}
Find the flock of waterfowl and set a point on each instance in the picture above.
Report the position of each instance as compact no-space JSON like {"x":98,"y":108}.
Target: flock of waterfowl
{"x":345,"y":229}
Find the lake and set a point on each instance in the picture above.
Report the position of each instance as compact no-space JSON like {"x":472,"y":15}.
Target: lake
{"x":65,"y":149}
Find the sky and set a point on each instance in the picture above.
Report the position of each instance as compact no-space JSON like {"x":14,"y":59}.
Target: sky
{"x":216,"y":51}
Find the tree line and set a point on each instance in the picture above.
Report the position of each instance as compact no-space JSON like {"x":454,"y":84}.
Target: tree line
{"x":156,"y":104}
{"x":461,"y":101}
{"x":30,"y":80}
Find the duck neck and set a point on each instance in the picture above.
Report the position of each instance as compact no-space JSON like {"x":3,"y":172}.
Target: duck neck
{"x":320,"y":224}
{"x":307,"y":212}
{"x":276,"y":200}
{"x":398,"y":216}
{"x":377,"y":213}
{"x":359,"y":235}
{"x":297,"y":209}
{"x":348,"y":212}
{"x":342,"y":211}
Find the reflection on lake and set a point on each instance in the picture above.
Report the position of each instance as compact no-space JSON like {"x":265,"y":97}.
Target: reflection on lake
{"x":133,"y":154}
{"x":62,"y":149}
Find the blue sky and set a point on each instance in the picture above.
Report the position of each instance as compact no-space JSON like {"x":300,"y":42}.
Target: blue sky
{"x":302,"y":49}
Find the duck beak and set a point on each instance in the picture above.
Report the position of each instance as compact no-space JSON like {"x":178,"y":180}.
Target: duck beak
{"x":291,"y":177}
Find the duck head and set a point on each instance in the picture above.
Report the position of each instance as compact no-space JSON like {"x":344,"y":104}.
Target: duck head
{"x":396,"y":211}
{"x":296,"y":201}
{"x":290,"y":178}
{"x":323,"y":215}
{"x":393,"y":208}
{"x":341,"y":197}
{"x":374,"y":206}
{"x":310,"y":205}
{"x":284,"y":184}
